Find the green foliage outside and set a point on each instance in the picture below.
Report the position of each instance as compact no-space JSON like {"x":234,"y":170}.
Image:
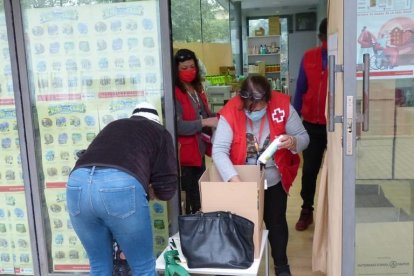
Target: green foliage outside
{"x":200,"y":21}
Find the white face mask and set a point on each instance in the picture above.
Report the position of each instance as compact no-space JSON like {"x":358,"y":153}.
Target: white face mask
{"x":256,"y":115}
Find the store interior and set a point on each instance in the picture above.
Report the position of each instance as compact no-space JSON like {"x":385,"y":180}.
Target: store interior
{"x":251,"y":36}
{"x":267,"y":38}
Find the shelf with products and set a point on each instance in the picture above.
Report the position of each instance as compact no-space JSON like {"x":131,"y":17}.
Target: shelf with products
{"x":272,"y":68}
{"x":264,"y":57}
{"x":261,"y":55}
{"x":266,"y":50}
{"x":263,"y":45}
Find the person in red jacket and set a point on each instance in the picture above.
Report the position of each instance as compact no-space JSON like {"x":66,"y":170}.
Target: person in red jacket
{"x":194,"y":125}
{"x":309,"y":102}
{"x":248,"y":124}
{"x":366,"y":41}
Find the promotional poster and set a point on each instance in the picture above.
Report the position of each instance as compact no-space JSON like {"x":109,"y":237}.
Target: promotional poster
{"x":386,"y":32}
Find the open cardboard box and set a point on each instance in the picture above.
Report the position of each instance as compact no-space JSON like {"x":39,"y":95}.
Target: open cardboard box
{"x":244,"y":198}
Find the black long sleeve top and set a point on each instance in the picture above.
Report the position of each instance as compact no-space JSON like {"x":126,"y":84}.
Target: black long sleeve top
{"x":139,"y":147}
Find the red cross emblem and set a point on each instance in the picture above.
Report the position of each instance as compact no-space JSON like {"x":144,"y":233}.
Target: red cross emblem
{"x":278,"y":115}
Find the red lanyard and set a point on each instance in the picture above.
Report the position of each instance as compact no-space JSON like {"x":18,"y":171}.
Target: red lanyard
{"x":257,"y":142}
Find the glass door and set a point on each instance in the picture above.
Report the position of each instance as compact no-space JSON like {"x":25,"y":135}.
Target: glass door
{"x":378,"y":137}
{"x":384,"y":185}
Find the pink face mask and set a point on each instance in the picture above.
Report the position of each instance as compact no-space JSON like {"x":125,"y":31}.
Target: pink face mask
{"x":187,"y":75}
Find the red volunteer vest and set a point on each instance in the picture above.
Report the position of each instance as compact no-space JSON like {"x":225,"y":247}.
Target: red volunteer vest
{"x":278,"y":110}
{"x":189,"y":150}
{"x":314,"y":99}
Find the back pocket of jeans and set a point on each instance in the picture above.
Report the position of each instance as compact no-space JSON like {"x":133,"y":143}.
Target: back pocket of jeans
{"x":73,"y":198}
{"x":119,"y":202}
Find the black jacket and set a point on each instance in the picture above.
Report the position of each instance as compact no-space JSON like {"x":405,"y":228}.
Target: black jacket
{"x":139,"y":147}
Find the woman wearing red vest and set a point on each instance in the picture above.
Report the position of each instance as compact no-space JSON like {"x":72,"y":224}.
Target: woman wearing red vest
{"x":248,"y":123}
{"x":194,"y":123}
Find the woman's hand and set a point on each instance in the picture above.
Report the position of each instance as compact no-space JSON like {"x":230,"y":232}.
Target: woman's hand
{"x":151,"y":193}
{"x":287,"y":142}
{"x":209,"y":122}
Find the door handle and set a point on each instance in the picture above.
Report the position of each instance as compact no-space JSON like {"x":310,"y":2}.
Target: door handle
{"x":331,"y":93}
{"x":332,"y":69}
{"x":365,"y":92}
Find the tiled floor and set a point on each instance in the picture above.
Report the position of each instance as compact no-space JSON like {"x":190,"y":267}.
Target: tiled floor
{"x":300,"y":243}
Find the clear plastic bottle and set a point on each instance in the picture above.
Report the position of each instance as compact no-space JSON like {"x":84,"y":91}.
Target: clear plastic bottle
{"x":273,"y":84}
{"x":278,"y":84}
{"x":269,"y":151}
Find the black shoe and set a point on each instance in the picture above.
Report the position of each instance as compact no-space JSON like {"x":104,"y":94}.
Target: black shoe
{"x":283,"y":270}
{"x":305,"y":219}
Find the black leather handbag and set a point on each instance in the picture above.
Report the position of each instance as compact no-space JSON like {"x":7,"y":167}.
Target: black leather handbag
{"x":216,"y":240}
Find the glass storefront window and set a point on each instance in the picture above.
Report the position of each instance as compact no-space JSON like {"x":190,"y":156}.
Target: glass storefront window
{"x":200,"y":21}
{"x":215,"y":22}
{"x":186,"y":20}
{"x":15,"y":245}
{"x":89,"y":63}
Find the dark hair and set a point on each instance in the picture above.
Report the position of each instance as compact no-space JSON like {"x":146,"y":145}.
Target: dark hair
{"x":181,"y":56}
{"x":323,"y":27}
{"x":256,"y":87}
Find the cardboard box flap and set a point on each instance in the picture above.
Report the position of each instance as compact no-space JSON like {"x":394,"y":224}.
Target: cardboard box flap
{"x":247,"y":173}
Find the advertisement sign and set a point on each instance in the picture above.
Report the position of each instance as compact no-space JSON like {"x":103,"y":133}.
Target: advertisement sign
{"x":386,"y":33}
{"x":15,"y":248}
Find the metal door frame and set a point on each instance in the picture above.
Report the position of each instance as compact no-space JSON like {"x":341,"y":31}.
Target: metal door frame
{"x":349,"y":161}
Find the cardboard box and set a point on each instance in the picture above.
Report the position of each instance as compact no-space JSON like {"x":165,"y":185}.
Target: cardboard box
{"x":375,"y":157}
{"x":405,"y":121}
{"x":227,"y":70}
{"x":274,"y":25}
{"x":259,"y":32}
{"x":381,"y":118}
{"x":244,"y":198}
{"x":404,"y":157}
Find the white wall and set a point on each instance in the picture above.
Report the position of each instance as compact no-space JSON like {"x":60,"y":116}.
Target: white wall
{"x":322,"y":10}
{"x":299,"y":42}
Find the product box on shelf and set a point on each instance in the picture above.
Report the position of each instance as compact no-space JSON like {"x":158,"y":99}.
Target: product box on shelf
{"x":227,"y":70}
{"x":245,"y":198}
{"x":274,"y":25}
{"x":259,"y":32}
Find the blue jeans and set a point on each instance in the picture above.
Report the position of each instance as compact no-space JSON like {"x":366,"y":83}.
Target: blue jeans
{"x":106,"y":204}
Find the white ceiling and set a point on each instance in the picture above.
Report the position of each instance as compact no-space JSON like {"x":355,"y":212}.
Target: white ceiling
{"x":278,"y":6}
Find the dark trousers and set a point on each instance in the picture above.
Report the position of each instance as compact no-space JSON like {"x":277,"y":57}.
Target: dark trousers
{"x":189,"y":183}
{"x":275,"y":203}
{"x":312,"y":160}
